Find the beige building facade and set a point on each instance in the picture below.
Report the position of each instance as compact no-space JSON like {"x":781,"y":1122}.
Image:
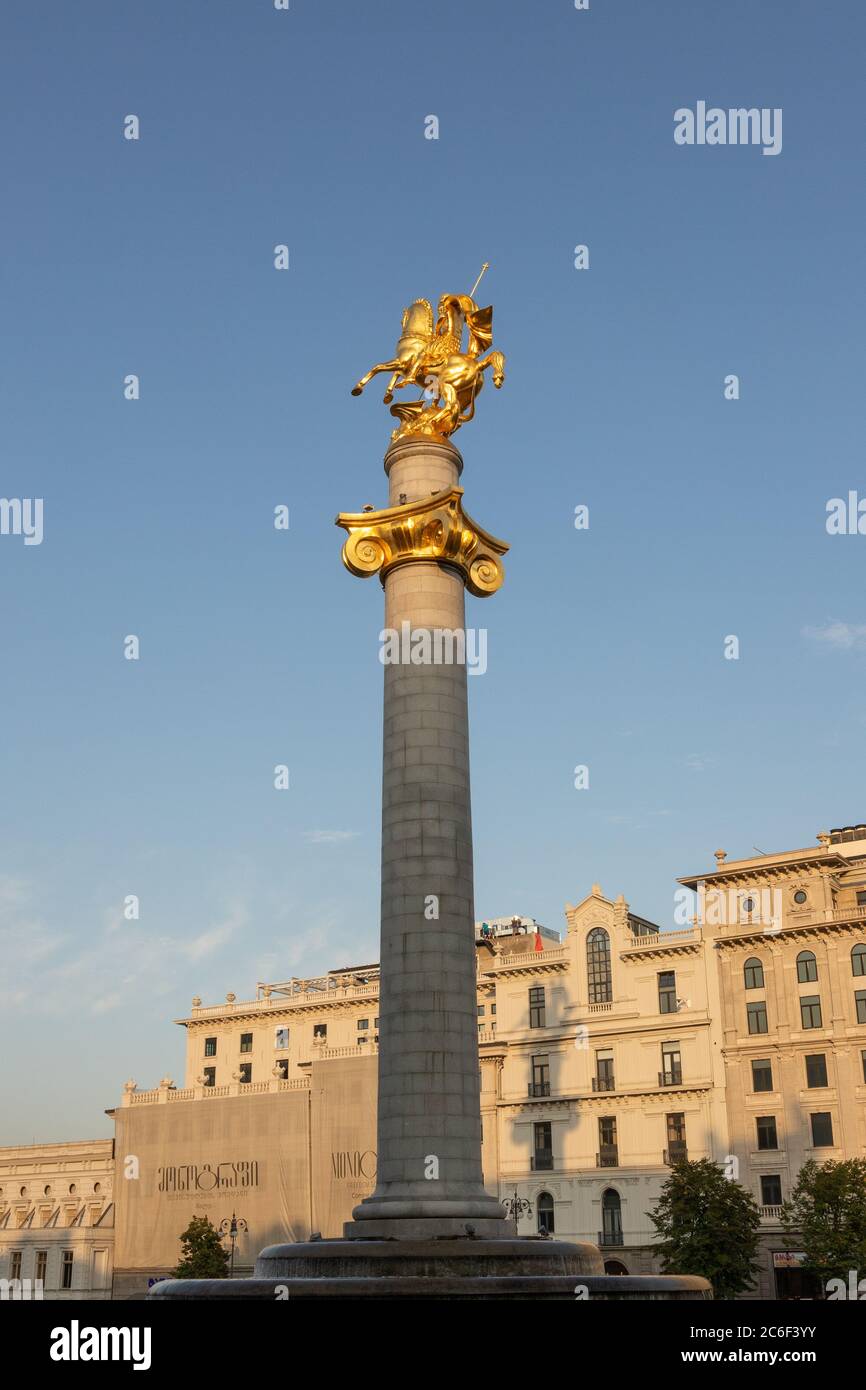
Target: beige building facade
{"x":57,"y":1220}
{"x":790,"y":943}
{"x":604,"y":1067}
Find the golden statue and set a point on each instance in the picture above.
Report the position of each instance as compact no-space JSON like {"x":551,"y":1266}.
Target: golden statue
{"x":432,"y":358}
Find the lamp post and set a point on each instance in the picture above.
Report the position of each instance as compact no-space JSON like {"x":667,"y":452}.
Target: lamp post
{"x":516,"y":1207}
{"x":230,"y":1227}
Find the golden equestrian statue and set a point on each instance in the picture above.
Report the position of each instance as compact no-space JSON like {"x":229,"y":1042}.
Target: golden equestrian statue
{"x":432,"y":358}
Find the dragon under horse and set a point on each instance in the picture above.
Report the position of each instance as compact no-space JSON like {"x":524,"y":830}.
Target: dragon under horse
{"x":431,"y":356}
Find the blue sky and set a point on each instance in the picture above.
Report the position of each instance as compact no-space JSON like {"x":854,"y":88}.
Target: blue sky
{"x":605,"y":647}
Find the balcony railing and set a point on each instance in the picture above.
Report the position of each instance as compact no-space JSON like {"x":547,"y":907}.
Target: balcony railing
{"x":603,"y":1083}
{"x":607,"y":1157}
{"x":610,"y":1238}
{"x":771,"y":1213}
{"x":677,"y":1153}
{"x":539,"y":1088}
{"x":542,"y":1161}
{"x":671,"y":1078}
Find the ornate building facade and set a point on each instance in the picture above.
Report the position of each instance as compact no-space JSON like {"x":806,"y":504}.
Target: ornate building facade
{"x":57,"y":1219}
{"x":790,"y":944}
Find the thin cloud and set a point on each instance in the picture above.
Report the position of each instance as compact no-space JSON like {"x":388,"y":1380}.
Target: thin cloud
{"x":698,"y":762}
{"x":844,"y":637}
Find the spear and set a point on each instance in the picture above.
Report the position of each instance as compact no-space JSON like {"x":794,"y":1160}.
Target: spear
{"x":486,"y":266}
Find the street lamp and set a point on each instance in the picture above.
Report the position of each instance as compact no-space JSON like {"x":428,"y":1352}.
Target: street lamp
{"x":230,"y":1227}
{"x":516,"y":1207}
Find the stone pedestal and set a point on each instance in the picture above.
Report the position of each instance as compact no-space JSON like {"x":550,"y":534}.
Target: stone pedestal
{"x":446,"y":1270}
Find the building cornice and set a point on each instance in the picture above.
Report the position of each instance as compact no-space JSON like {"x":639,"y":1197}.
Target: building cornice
{"x":848,"y":926}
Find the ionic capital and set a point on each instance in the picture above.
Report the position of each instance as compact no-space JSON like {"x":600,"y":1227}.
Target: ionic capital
{"x":435,"y":529}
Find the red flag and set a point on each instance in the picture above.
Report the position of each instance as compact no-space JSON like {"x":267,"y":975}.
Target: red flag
{"x":538,"y":943}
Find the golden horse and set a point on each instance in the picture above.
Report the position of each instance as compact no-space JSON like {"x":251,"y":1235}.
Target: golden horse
{"x":433,"y":359}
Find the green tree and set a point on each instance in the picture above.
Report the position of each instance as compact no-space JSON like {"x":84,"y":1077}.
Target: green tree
{"x":707,"y":1225}
{"x":826,"y":1217}
{"x":202,"y":1255}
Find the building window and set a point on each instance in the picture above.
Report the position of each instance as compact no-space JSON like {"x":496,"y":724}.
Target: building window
{"x":799,"y":897}
{"x":365,"y":1022}
{"x":492,"y":1010}
{"x":810,"y":1011}
{"x":667,"y":992}
{"x":210,"y":1047}
{"x":282,"y":1068}
{"x":861,"y":897}
{"x":246,"y":1070}
{"x":604,"y":1071}
{"x":15,"y":1264}
{"x":816,"y":1070}
{"x":677,"y":1152}
{"x":246,"y":1042}
{"x":863,"y":1060}
{"x":608,"y":1155}
{"x":537,"y":1009}
{"x":544,"y":1212}
{"x":210,"y":1076}
{"x":376,"y":1021}
{"x":762,"y":1075}
{"x":807,"y":967}
{"x":858,"y":959}
{"x":767,"y":1137}
{"x":41,"y":1264}
{"x":748,"y":906}
{"x":66,"y":1269}
{"x":756,"y":1015}
{"x":281,"y":1039}
{"x":540,"y":1084}
{"x":672,"y":1068}
{"x":822,"y":1129}
{"x":320,"y":1030}
{"x":860,"y":1005}
{"x":598,"y":966}
{"x":480,"y":1011}
{"x":611,"y":1218}
{"x":753,"y":972}
{"x":771,"y":1190}
{"x":543,"y":1144}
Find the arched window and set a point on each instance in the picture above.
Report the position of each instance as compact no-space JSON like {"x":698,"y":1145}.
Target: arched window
{"x":807,"y":967}
{"x":858,"y":960}
{"x":598,"y":966}
{"x":614,"y":1267}
{"x":544,"y":1211}
{"x":611,"y":1218}
{"x":753,"y":972}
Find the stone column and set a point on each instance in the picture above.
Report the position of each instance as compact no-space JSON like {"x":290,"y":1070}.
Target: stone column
{"x":429,"y":1179}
